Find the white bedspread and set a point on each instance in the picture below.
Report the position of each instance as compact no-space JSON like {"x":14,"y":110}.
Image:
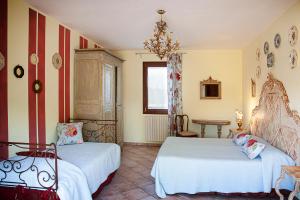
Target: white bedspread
{"x":192,"y":165}
{"x":72,"y":184}
{"x":96,"y":160}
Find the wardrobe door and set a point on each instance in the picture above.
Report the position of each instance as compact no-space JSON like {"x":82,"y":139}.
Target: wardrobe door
{"x":108,"y":92}
{"x":88,"y":87}
{"x":119,"y":106}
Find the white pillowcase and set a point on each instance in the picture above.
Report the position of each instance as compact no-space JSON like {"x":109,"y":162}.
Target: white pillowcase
{"x":69,"y":133}
{"x":253,"y":149}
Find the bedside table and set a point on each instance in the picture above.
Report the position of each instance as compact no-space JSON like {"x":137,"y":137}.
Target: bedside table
{"x":293,"y":171}
{"x":235,"y":131}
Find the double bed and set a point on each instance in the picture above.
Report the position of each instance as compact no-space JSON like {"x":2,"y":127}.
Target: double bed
{"x":76,"y":172}
{"x":195,"y":165}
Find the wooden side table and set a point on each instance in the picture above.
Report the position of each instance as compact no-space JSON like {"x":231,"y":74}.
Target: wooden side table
{"x":293,"y":171}
{"x":233,"y":132}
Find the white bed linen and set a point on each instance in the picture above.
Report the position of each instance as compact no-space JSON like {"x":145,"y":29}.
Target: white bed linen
{"x":72,"y":183}
{"x":192,"y":165}
{"x":96,"y":160}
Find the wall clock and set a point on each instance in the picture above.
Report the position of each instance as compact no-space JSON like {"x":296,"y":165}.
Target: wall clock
{"x":293,"y":35}
{"x":37,"y":86}
{"x":34,"y":59}
{"x":57,"y":60}
{"x":266,"y":48}
{"x":277,"y":40}
{"x":293,"y":58}
{"x":270,"y":59}
{"x":2,"y":61}
{"x":18,"y":71}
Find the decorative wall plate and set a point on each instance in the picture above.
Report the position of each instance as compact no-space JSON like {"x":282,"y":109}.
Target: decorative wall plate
{"x":37,"y":86}
{"x":18,"y":71}
{"x":277,"y":40}
{"x":57,"y":60}
{"x":270,"y":59}
{"x":293,"y":35}
{"x":2,"y":61}
{"x":258,"y":71}
{"x":266,"y":48}
{"x":34,"y":59}
{"x":258,"y":54}
{"x":293,"y":58}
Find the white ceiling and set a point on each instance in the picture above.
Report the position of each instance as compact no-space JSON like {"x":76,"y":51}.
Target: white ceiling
{"x":197,"y":24}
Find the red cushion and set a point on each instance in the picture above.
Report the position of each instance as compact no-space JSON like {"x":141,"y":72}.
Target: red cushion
{"x":40,"y":154}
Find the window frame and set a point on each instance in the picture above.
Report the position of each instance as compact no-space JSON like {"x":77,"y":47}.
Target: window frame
{"x":146,"y":65}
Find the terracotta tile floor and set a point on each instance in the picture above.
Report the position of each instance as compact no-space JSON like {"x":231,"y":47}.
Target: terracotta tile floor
{"x":134,"y":182}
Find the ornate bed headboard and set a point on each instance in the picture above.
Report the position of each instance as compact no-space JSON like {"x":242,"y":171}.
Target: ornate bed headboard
{"x":274,"y":121}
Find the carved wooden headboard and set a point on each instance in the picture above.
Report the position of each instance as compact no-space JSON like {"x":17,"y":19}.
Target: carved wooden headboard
{"x":274,"y":121}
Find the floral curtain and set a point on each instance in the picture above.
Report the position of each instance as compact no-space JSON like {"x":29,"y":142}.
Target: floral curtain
{"x":174,"y":67}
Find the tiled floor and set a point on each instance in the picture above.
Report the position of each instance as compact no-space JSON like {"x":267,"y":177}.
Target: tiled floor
{"x":133,"y":180}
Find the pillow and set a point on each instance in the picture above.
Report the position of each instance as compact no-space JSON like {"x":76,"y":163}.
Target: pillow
{"x":242,"y":138}
{"x":252,"y":148}
{"x":40,"y":154}
{"x":70,"y":133}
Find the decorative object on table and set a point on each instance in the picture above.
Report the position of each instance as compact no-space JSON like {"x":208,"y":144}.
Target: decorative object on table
{"x":210,"y":89}
{"x":253,"y":88}
{"x":258,"y":54}
{"x":266,"y":48}
{"x":277,"y":40}
{"x":293,"y":58}
{"x":270,"y":59}
{"x":57,"y":60}
{"x":293,"y":35}
{"x":37,"y":86}
{"x":18,"y":71}
{"x":258,"y":71}
{"x":174,"y":87}
{"x":161,"y":43}
{"x":239,"y":119}
{"x":34,"y":59}
{"x":2,"y":61}
{"x":292,"y":171}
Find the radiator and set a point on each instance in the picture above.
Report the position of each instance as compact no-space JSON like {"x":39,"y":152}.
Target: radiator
{"x":156,"y":127}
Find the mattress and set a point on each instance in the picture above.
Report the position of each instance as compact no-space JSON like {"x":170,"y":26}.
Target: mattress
{"x":96,"y":160}
{"x":193,"y":165}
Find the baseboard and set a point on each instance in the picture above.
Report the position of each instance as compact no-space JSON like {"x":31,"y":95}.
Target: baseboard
{"x":142,"y":144}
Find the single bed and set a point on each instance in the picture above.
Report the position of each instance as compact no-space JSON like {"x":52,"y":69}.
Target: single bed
{"x":97,"y":160}
{"x":194,"y":165}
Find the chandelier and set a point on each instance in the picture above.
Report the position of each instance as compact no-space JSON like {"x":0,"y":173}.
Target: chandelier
{"x":161,"y":43}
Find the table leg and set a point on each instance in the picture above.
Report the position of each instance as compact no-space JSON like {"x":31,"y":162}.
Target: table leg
{"x":277,"y":185}
{"x":219,"y":131}
{"x":202,"y":130}
{"x":293,"y":194}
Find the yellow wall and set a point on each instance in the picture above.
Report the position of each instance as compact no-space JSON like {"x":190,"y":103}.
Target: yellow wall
{"x":18,"y":88}
{"x":281,"y":69}
{"x":224,"y":65}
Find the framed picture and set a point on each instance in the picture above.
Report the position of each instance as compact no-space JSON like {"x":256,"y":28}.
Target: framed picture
{"x":253,"y":88}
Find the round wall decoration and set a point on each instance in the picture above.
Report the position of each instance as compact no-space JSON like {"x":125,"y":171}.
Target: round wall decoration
{"x":258,"y":71}
{"x":2,"y":61}
{"x":266,"y":48}
{"x":293,"y":56}
{"x":34,"y":59}
{"x":18,"y":71}
{"x":37,"y":86}
{"x":57,"y":60}
{"x":277,"y":40}
{"x":270,"y":59}
{"x":293,"y":35}
{"x":258,"y":54}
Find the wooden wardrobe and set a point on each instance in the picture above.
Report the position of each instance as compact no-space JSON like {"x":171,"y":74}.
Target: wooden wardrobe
{"x":98,"y":93}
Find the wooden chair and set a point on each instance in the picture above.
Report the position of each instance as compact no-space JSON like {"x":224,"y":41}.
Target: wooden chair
{"x":180,"y":132}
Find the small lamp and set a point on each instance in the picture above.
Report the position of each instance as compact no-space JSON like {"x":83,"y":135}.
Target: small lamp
{"x":239,"y":119}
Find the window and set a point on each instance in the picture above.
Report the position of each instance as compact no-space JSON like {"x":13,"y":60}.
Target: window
{"x":155,"y":94}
